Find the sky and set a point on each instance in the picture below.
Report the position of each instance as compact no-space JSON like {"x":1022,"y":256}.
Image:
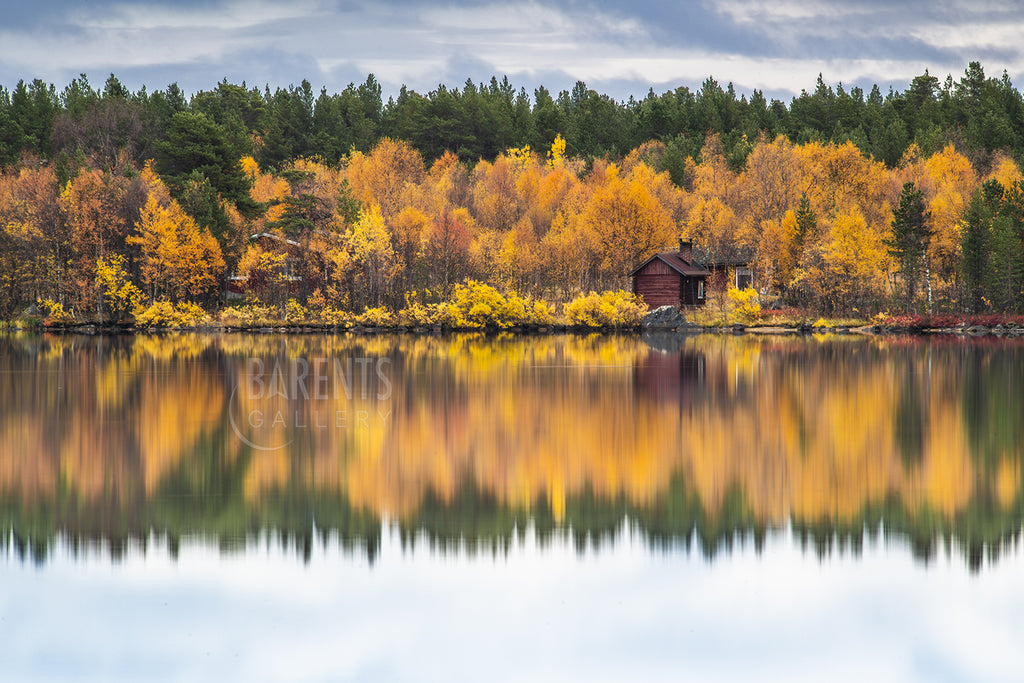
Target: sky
{"x":537,"y":613}
{"x":618,"y":48}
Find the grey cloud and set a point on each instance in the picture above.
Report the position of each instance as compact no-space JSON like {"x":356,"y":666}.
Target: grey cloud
{"x":691,"y":25}
{"x":777,"y":46}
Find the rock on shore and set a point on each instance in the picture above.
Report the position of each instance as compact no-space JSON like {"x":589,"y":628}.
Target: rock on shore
{"x":663,"y":318}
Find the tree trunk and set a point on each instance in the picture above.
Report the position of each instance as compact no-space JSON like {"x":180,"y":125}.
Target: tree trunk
{"x":928,"y":282}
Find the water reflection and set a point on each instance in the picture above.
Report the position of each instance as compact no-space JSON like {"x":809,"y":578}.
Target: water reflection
{"x":466,"y":441}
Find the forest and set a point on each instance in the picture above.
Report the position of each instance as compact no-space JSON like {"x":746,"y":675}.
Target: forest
{"x":120,"y":205}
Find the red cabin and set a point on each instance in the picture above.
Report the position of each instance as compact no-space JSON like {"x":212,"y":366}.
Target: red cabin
{"x":671,"y":279}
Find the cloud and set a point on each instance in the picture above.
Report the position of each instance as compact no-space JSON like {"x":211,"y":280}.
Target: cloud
{"x":778,"y":46}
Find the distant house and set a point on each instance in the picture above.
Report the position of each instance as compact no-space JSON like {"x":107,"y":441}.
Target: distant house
{"x":671,"y":279}
{"x":729,"y":268}
{"x":236,"y":285}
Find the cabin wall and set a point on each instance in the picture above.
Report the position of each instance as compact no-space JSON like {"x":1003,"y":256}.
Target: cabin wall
{"x":692,"y":294}
{"x":657,"y":289}
{"x":657,"y":267}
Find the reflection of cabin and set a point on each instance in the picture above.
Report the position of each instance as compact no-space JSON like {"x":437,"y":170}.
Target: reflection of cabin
{"x":671,"y":279}
{"x":288,"y":270}
{"x":675,"y":376}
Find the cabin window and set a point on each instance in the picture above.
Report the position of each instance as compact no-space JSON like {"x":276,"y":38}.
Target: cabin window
{"x":744,"y":278}
{"x":700,"y":289}
{"x":289,"y":269}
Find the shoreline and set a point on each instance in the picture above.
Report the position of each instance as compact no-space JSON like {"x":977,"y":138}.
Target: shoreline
{"x":963,"y":331}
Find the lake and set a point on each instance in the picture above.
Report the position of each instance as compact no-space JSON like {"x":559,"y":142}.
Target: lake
{"x":325,"y":507}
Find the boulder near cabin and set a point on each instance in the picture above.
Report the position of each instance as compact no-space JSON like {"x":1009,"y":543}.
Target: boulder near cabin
{"x":671,"y":279}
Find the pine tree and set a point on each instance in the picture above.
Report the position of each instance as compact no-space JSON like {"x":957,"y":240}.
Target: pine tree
{"x":977,"y":223}
{"x":911,"y":235}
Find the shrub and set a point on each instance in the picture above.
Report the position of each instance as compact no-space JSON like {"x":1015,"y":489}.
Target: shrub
{"x":419,"y":313}
{"x":376,"y":317}
{"x":612,"y":308}
{"x":252,"y":314}
{"x":54,"y":312}
{"x":166,"y":314}
{"x":120,"y":293}
{"x":745,"y":302}
{"x":921,"y":322}
{"x":321,"y":311}
{"x":294,"y":312}
{"x":540,"y":312}
{"x":329,"y":315}
{"x":475,"y":304}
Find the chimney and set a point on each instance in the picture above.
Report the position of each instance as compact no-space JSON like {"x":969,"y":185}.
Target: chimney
{"x":686,"y":250}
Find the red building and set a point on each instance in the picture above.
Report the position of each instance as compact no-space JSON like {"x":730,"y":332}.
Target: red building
{"x":671,"y":279}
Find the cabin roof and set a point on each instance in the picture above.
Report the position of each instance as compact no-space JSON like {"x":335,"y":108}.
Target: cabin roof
{"x":676,"y":263}
{"x":276,"y":238}
{"x":725,"y":258}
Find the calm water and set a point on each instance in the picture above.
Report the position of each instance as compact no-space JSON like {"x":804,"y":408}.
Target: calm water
{"x":333,"y":507}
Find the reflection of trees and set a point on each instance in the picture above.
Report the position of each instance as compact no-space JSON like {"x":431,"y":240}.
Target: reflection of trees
{"x":115,"y":441}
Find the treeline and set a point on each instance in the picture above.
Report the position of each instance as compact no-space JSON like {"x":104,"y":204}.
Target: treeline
{"x":821,"y":226}
{"x":112,"y":201}
{"x":977,"y":113}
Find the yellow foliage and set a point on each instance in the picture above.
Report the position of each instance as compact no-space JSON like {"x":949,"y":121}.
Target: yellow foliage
{"x":556,"y":155}
{"x":420,"y":313}
{"x":179,"y":259}
{"x":949,"y":181}
{"x":119,"y":292}
{"x":320,"y":310}
{"x":250,"y":167}
{"x":369,"y":244}
{"x":379,"y":316}
{"x":477,"y":305}
{"x":613,"y":309}
{"x":541,"y":313}
{"x":330,"y":315}
{"x":166,"y":314}
{"x":847,"y":264}
{"x":294,"y":311}
{"x":520,"y":156}
{"x":745,"y":301}
{"x":381,"y":176}
{"x":54,"y":311}
{"x":713,"y":225}
{"x":626,"y":224}
{"x":1005,"y":170}
{"x":253,"y":314}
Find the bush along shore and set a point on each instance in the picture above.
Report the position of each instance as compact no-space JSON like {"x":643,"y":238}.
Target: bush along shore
{"x":477,"y":307}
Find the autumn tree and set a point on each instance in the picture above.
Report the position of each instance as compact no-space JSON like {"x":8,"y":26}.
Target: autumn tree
{"x":947,"y":181}
{"x":770,"y":180}
{"x":626,"y":225}
{"x":380,"y":176}
{"x":446,"y":249}
{"x":94,"y":203}
{"x":178,"y":259}
{"x":372,"y":255}
{"x":845,"y":269}
{"x":34,"y":231}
